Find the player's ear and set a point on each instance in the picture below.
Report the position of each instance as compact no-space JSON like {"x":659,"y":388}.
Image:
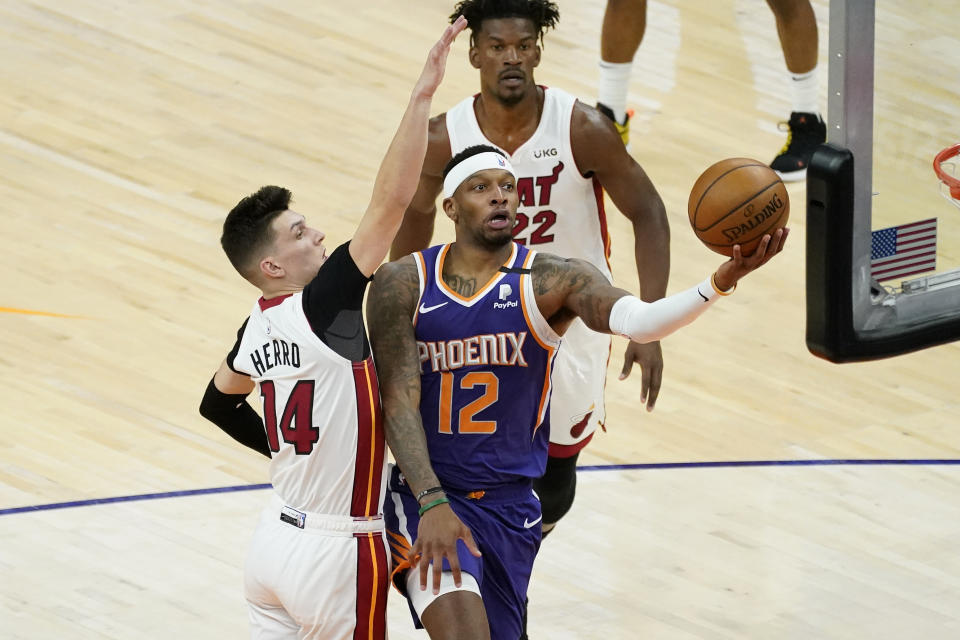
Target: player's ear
{"x":536,"y":58}
{"x":474,"y":55}
{"x":450,"y":208}
{"x":270,"y":269}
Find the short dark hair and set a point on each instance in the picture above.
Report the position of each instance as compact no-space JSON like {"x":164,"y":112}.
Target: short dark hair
{"x":468,"y":152}
{"x":246,"y":230}
{"x":543,"y":13}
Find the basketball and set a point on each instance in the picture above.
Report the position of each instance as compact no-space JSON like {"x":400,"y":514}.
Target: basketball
{"x":737,"y":201}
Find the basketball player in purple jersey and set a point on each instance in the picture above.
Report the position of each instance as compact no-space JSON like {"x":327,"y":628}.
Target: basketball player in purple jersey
{"x":566,"y":154}
{"x":318,"y":566}
{"x":465,"y":338}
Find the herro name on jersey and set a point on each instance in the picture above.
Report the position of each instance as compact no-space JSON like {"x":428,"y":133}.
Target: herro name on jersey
{"x":275,"y":353}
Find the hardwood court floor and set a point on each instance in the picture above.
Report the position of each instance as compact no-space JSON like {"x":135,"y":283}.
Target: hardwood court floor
{"x":128,"y":129}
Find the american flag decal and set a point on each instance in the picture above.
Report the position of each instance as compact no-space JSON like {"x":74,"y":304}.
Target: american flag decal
{"x":904,"y":250}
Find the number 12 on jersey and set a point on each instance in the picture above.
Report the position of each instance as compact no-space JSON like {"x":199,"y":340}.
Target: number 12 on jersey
{"x":466,"y":422}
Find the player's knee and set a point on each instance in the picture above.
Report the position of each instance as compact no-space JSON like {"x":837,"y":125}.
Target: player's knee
{"x":457,"y":615}
{"x":556,"y":489}
{"x":555,"y":501}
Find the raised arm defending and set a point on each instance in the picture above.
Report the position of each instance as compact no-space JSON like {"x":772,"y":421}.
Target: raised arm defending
{"x":399,"y":171}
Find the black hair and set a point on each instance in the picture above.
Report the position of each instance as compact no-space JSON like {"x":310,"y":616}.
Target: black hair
{"x":468,"y":152}
{"x":543,"y":13}
{"x":246,"y":230}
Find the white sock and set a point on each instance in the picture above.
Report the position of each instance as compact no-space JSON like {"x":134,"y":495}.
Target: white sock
{"x":805,"y":88}
{"x":614,"y":82}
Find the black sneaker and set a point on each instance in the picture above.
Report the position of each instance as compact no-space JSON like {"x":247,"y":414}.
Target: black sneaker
{"x":623,"y":128}
{"x":805,"y":132}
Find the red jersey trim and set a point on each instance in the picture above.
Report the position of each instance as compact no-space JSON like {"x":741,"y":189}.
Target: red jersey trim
{"x":569,"y":450}
{"x":372,"y":580}
{"x":602,"y":215}
{"x":272,"y":302}
{"x":370,"y":442}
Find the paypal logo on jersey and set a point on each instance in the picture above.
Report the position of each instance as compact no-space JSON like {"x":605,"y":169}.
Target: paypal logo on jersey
{"x":505,"y":291}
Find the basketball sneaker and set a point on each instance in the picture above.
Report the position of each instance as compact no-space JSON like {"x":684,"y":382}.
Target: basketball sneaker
{"x":805,"y":132}
{"x":623,"y":128}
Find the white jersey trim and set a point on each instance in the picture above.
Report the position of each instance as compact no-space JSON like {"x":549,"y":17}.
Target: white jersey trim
{"x":541,"y":329}
{"x":421,"y":282}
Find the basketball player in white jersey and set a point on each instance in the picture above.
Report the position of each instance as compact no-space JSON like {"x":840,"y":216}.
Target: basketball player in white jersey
{"x":318,"y":566}
{"x":566,"y":154}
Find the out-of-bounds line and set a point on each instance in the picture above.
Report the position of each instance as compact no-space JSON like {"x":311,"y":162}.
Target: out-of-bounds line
{"x":595,"y":467}
{"x":133,"y":498}
{"x":769,"y":463}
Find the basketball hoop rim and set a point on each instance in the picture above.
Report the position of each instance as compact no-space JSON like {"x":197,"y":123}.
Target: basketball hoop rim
{"x":947,"y":179}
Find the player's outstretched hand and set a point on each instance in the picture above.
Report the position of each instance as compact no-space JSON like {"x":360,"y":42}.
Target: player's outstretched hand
{"x":437,"y":536}
{"x":739,"y":265}
{"x":650,"y":358}
{"x":432,"y":72}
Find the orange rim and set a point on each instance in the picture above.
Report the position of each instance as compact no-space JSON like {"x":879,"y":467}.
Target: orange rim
{"x":946,"y":178}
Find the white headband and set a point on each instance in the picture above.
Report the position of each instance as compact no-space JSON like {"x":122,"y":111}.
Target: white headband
{"x":469,"y":166}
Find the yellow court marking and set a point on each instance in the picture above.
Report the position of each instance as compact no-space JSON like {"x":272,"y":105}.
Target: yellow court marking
{"x":31,"y":312}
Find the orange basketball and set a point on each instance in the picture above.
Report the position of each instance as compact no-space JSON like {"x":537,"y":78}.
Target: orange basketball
{"x":737,"y":201}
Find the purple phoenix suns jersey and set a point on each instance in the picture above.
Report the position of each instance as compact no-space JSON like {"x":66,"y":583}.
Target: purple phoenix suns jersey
{"x":485,"y":365}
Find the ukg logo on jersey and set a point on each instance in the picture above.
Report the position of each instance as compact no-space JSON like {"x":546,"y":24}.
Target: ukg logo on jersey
{"x":505,"y":291}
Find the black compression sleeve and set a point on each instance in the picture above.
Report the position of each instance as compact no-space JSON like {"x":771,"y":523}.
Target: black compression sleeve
{"x":333,"y":303}
{"x":235,"y":417}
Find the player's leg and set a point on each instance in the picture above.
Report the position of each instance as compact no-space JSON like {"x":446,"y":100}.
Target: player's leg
{"x":557,"y":488}
{"x":513,"y":535}
{"x":268,"y":619}
{"x":624,"y":22}
{"x":271,"y":623}
{"x":797,"y":28}
{"x":454,"y":612}
{"x":342,"y":593}
{"x":576,"y":411}
{"x":457,"y":614}
{"x":327,"y":580}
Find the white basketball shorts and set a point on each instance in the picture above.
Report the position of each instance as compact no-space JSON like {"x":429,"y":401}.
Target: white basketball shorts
{"x":579,"y":377}
{"x":325,"y":580}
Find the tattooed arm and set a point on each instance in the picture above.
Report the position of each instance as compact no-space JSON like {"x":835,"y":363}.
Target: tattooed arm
{"x":567,"y":288}
{"x":390,"y":307}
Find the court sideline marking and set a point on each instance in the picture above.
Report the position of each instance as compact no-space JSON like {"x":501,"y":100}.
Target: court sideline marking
{"x":595,"y":467}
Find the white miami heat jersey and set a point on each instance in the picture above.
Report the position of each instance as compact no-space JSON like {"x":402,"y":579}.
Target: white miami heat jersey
{"x":321,"y":412}
{"x":560,"y":211}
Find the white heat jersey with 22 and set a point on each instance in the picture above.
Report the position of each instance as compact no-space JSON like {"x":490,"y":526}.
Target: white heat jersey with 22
{"x":560,"y":212}
{"x":321,"y":413}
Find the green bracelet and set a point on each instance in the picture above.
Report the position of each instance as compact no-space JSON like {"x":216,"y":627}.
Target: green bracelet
{"x":431,"y":505}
